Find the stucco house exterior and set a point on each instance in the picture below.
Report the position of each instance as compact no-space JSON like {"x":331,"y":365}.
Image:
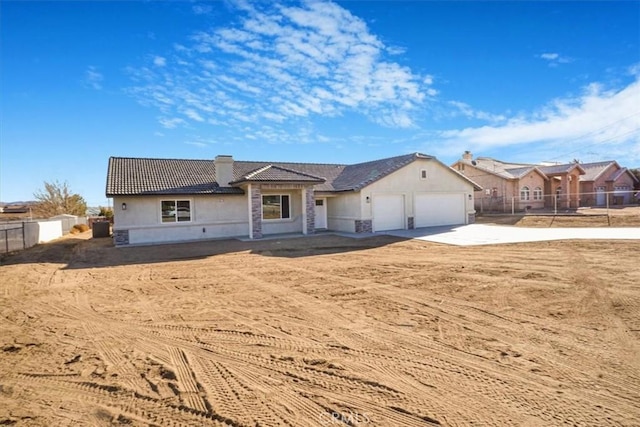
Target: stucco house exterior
{"x":503,"y":182}
{"x":168,"y":200}
{"x":561,"y":186}
{"x":608,"y":177}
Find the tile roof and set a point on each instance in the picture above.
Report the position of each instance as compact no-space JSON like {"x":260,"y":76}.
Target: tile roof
{"x":358,"y":176}
{"x":502,"y":169}
{"x":137,"y":176}
{"x":594,"y":170}
{"x":556,"y":169}
{"x":141,"y":176}
{"x":277,"y":173}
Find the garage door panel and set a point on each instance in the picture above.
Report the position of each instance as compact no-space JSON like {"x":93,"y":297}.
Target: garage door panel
{"x":388,"y":212}
{"x":439,"y":209}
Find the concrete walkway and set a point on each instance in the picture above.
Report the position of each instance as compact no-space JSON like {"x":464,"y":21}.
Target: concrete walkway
{"x":481,"y":234}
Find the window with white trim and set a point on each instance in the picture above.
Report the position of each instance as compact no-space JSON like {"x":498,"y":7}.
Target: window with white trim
{"x":276,"y":206}
{"x":175,"y":211}
{"x":524,"y":193}
{"x":423,"y":174}
{"x":537,"y":193}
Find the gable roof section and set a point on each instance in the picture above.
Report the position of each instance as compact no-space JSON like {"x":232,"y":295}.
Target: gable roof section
{"x":502,"y":169}
{"x":355,"y":177}
{"x":271,"y":173}
{"x":594,"y":170}
{"x":560,"y":169}
{"x":616,"y":175}
{"x":143,"y":176}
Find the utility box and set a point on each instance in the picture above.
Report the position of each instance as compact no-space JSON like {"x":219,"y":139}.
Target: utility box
{"x":101,"y":229}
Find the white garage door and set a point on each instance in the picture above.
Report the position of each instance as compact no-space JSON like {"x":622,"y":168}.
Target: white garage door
{"x":388,"y":212}
{"x":439,"y":209}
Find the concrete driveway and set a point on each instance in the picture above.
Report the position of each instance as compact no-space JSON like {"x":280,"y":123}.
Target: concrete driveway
{"x":481,"y":234}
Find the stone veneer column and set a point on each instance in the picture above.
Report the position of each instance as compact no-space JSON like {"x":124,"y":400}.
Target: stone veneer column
{"x":256,"y":211}
{"x":310,"y":206}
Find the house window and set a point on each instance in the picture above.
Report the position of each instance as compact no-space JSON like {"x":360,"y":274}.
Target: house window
{"x":524,"y":193}
{"x":176,"y":210}
{"x":276,"y":206}
{"x":487,"y":191}
{"x":537,"y":193}
{"x":423,"y":174}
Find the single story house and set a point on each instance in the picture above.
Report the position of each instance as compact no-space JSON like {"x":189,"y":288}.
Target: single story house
{"x":169,"y":200}
{"x":563,"y":184}
{"x":503,"y":183}
{"x":608,"y":177}
{"x":532,"y":186}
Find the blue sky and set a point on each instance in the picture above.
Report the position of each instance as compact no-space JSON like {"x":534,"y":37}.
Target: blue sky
{"x":341,"y":82}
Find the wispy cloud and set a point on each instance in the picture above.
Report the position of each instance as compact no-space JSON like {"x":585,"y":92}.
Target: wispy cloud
{"x":554,"y":59}
{"x":280,"y":63}
{"x":464,"y":109}
{"x":202,"y":9}
{"x":93,"y":78}
{"x":159,"y":61}
{"x":598,"y":117}
{"x":170,"y":122}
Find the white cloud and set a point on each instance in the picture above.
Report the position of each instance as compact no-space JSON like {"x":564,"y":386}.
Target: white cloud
{"x":277,"y":63}
{"x":202,"y":9}
{"x":159,"y":61}
{"x":553,"y":59}
{"x":464,"y":109}
{"x":193,"y":115}
{"x":93,"y":78}
{"x":609,"y":119}
{"x":549,"y":56}
{"x":396,"y":50}
{"x":171,"y":123}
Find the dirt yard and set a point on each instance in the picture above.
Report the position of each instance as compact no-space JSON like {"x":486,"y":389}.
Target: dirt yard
{"x":320,"y":331}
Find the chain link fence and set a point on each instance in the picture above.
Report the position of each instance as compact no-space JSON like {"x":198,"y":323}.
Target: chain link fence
{"x":557,"y":203}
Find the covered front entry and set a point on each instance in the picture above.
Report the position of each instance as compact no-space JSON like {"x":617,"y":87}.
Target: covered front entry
{"x":439,"y":209}
{"x":388,"y":212}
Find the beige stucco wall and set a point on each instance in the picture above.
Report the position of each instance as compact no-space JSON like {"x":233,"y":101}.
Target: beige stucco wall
{"x":211,"y":217}
{"x":532,"y":180}
{"x":408,"y":182}
{"x":342,"y":211}
{"x":587,"y":189}
{"x":503,"y":192}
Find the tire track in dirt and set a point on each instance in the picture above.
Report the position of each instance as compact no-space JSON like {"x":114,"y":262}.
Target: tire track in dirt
{"x":537,"y":406}
{"x":126,"y":402}
{"x":190,"y":393}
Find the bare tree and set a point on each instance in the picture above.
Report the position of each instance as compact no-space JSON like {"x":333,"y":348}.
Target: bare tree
{"x":56,"y":199}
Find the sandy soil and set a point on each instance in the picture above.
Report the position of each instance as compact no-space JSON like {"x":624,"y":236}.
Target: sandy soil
{"x":628,"y":216}
{"x":319,"y":331}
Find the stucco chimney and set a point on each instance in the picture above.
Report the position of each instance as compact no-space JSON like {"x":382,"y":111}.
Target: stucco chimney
{"x":467,"y":155}
{"x":224,"y":170}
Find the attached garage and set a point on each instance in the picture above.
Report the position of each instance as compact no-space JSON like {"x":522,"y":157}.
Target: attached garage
{"x":439,"y":209}
{"x":388,"y":212}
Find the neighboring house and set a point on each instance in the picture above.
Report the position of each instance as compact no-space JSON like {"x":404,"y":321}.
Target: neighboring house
{"x":504,"y":183}
{"x":602,"y":178}
{"x":563,"y":185}
{"x":163,"y":200}
{"x":530,"y":186}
